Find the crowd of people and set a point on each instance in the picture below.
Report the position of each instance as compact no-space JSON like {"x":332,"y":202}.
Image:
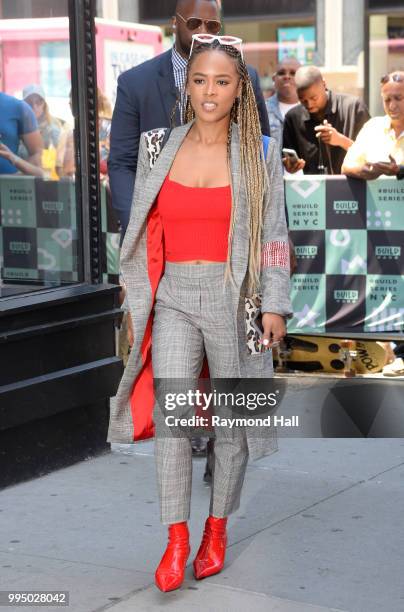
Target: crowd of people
{"x":36,"y":143}
{"x":333,"y":133}
{"x":320,"y":130}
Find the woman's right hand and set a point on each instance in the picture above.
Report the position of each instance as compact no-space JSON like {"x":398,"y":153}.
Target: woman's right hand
{"x":274,"y":329}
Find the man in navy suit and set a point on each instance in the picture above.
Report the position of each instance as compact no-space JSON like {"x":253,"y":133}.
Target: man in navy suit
{"x":147,"y":94}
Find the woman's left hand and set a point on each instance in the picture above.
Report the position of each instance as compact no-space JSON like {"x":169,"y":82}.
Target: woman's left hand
{"x":274,"y":329}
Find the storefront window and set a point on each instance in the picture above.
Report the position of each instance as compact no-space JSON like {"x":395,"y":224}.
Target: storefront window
{"x":119,"y":46}
{"x":40,"y":235}
{"x":386,"y":53}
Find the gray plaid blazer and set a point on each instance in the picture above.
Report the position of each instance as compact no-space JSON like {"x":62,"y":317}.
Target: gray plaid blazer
{"x":274,"y":275}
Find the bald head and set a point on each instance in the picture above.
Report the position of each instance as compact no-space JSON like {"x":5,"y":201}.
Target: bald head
{"x":208,"y":13}
{"x":284,"y":80}
{"x":311,"y":89}
{"x":287,"y":61}
{"x":306,"y":76}
{"x":184,"y":4}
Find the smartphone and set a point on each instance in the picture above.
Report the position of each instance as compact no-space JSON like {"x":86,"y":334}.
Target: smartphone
{"x":290,"y":153}
{"x":381,"y":156}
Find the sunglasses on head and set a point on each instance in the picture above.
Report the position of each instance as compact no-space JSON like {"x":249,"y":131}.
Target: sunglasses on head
{"x":223,"y":40}
{"x":396,"y":78}
{"x":194,"y":23}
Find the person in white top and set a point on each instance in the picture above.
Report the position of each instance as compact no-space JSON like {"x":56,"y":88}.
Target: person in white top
{"x":378,"y":149}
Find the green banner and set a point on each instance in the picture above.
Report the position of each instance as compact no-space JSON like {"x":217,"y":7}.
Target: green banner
{"x":349,"y":246}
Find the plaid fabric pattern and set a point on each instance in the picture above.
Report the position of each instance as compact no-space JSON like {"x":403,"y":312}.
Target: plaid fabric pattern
{"x":186,"y":319}
{"x":275,"y":253}
{"x":180,"y":74}
{"x":134,"y":265}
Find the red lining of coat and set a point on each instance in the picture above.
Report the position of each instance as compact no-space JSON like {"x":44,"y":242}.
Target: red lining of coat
{"x":142,"y":395}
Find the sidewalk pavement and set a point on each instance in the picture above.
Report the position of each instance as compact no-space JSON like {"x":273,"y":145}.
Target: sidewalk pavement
{"x":320,"y":528}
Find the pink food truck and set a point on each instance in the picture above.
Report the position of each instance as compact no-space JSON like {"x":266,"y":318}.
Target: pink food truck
{"x":37,"y":51}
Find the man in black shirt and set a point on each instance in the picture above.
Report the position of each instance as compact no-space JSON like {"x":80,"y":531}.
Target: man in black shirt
{"x":324,"y":125}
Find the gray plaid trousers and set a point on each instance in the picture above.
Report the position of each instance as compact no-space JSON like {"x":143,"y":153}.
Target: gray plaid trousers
{"x":189,"y":321}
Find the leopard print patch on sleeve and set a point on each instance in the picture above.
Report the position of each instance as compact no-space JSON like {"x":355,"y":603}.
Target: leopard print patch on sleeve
{"x":275,"y":253}
{"x":154,"y":140}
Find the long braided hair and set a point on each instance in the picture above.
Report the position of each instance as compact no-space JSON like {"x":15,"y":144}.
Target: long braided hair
{"x":244,"y":112}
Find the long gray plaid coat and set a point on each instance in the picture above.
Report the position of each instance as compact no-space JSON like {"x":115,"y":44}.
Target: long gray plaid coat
{"x":137,"y":261}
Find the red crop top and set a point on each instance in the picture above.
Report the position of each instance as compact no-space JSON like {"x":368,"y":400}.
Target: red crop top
{"x":195,"y":220}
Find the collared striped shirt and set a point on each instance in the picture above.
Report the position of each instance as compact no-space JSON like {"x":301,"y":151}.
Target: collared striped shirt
{"x":180,"y":74}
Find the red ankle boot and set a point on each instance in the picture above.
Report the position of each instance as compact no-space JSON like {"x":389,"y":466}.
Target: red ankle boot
{"x":210,"y":557}
{"x":170,"y":572}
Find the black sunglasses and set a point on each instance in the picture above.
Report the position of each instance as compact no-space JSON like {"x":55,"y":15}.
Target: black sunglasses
{"x":283,"y":72}
{"x":194,"y":23}
{"x":396,"y":78}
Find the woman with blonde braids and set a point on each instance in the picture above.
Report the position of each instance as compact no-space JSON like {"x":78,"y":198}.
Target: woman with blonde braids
{"x":206,"y":233}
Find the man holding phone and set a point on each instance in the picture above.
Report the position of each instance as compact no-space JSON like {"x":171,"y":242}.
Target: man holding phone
{"x":322,"y":127}
{"x":379,"y":147}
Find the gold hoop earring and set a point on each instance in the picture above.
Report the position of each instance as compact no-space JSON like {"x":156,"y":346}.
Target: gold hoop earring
{"x":189,"y":111}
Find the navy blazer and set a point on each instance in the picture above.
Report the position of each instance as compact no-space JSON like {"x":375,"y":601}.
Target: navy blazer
{"x":146,"y":96}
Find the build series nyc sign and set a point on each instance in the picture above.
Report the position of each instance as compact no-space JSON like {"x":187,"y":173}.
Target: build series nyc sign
{"x":349,"y":240}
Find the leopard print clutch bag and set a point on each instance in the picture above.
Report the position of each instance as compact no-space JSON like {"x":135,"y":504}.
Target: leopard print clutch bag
{"x":252,"y":313}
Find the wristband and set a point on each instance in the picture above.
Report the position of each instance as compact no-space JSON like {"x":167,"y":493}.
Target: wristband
{"x":400,"y":173}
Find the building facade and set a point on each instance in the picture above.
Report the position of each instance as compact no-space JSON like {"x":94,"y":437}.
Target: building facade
{"x":58,"y":316}
{"x":353,"y":42}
